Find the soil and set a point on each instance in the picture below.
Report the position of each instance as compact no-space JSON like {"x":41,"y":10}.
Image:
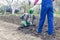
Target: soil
{"x":32,"y":30}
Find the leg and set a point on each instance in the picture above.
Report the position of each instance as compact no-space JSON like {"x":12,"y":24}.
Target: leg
{"x":33,"y":19}
{"x":50,"y":21}
{"x":42,"y":19}
{"x":28,"y":20}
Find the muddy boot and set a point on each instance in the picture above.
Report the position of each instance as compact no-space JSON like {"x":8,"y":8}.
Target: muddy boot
{"x":20,"y":27}
{"x":39,"y":35}
{"x":49,"y":37}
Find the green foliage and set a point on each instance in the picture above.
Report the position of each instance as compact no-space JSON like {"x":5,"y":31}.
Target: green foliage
{"x":57,"y":14}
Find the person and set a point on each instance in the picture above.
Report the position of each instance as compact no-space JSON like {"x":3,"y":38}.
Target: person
{"x":26,"y":18}
{"x":47,"y":9}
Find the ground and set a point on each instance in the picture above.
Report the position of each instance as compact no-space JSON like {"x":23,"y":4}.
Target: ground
{"x":9,"y":29}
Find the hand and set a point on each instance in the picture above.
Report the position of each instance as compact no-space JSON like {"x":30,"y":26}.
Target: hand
{"x":35,"y":2}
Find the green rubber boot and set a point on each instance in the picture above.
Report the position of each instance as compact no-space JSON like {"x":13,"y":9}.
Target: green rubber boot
{"x":24,"y":23}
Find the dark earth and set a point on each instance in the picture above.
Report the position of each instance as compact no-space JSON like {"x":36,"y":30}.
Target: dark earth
{"x":32,"y":30}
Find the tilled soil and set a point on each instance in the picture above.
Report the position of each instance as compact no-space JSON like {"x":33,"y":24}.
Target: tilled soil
{"x":8,"y":31}
{"x":32,"y":30}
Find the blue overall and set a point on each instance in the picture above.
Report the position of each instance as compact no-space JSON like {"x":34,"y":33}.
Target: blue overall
{"x":46,"y":9}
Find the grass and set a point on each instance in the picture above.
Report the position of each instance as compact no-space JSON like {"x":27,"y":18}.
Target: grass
{"x":56,"y":14}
